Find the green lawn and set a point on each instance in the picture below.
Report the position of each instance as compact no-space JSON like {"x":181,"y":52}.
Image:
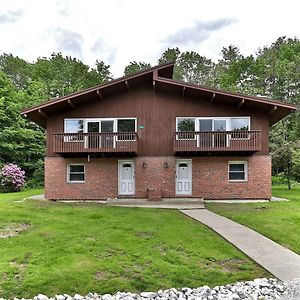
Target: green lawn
{"x":279,"y":221}
{"x":71,"y":248}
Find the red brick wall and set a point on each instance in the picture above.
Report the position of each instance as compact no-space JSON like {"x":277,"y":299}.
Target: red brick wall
{"x":101,"y":179}
{"x":210,"y":178}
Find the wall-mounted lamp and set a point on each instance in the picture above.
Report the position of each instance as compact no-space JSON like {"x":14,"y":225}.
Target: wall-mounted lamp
{"x":144,"y":164}
{"x":166,"y":165}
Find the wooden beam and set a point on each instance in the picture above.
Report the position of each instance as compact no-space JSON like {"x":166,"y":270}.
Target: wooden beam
{"x":41,"y":112}
{"x":126,"y":85}
{"x":100,"y":96}
{"x":213,"y":97}
{"x":154,"y":85}
{"x":273,"y":110}
{"x":183,"y":91}
{"x":241,"y":104}
{"x":71,"y":103}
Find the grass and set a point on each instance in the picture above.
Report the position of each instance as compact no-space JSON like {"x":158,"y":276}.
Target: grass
{"x":78,"y":248}
{"x":280,"y":221}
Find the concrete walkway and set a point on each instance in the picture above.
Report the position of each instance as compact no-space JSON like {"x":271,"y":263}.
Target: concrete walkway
{"x":278,"y":260}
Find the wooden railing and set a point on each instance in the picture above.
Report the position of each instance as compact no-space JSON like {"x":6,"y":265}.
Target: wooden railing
{"x":217,"y":141}
{"x":94,"y":142}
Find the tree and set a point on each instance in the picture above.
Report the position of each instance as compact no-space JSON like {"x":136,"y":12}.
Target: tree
{"x":172,"y":55}
{"x":65,"y":75}
{"x":17,"y":69}
{"x":287,"y":158}
{"x":21,"y":142}
{"x":230,"y":55}
{"x":135,"y":67}
{"x":195,"y":68}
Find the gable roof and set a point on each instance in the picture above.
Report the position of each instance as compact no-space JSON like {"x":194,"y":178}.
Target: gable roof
{"x":161,"y":77}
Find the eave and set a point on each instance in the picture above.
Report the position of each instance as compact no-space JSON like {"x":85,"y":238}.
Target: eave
{"x":276,"y":109}
{"x":160,"y":77}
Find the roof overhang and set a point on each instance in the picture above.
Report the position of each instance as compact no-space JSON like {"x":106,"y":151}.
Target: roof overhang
{"x":276,"y":110}
{"x":40,"y":112}
{"x":160,"y":77}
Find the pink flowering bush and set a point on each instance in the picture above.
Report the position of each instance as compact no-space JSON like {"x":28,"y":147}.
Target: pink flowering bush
{"x":12,"y":178}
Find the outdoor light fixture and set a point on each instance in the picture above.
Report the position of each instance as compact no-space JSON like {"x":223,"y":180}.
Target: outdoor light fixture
{"x":144,"y":164}
{"x":166,"y":164}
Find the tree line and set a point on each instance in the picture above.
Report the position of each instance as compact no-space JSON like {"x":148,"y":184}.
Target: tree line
{"x":274,"y":72}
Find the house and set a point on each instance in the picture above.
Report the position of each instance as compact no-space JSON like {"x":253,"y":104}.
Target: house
{"x":149,"y":136}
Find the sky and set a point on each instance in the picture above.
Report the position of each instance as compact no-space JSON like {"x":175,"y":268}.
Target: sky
{"x":121,"y":31}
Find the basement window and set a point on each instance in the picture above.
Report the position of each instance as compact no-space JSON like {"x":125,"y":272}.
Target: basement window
{"x":76,"y":173}
{"x":237,"y":171}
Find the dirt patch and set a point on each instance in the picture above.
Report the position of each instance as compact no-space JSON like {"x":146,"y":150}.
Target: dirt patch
{"x":145,"y":234}
{"x":13,"y":229}
{"x":261,"y":207}
{"x":100,"y":275}
{"x":231,"y":265}
{"x":19,"y":274}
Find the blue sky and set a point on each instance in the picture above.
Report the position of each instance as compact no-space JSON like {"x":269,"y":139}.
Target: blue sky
{"x":120,"y":31}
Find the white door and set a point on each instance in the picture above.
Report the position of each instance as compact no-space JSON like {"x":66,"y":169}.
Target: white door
{"x":184,"y":177}
{"x":126,"y":178}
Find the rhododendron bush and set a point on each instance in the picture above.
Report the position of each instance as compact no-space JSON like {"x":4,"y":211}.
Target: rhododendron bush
{"x":12,"y":178}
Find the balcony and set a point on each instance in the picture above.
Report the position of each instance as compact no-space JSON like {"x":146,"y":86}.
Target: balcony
{"x":217,"y":142}
{"x":103,"y":144}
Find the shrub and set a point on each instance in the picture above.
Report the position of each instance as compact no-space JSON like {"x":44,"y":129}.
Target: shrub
{"x":281,"y":179}
{"x":12,"y":178}
{"x":37,"y":179}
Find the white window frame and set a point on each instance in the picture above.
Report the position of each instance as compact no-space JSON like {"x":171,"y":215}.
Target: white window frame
{"x":68,"y":173}
{"x":249,"y":128}
{"x":235,"y":162}
{"x":116,"y":128}
{"x":226,"y":119}
{"x":184,"y":118}
{"x":213,"y":119}
{"x":66,"y":140}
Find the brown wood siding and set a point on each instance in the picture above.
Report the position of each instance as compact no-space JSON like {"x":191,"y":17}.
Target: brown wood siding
{"x":157,"y":111}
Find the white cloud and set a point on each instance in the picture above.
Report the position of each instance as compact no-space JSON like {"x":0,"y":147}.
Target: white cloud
{"x":120,"y":31}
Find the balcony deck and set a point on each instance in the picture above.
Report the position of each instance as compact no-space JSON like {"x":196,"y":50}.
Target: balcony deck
{"x":103,"y":144}
{"x":217,"y":142}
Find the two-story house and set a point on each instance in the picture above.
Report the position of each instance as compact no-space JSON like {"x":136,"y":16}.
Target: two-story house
{"x":149,"y":136}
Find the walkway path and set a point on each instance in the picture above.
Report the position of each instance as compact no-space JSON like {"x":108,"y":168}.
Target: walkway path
{"x":281,"y":262}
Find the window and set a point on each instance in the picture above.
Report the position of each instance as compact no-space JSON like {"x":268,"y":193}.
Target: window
{"x":237,"y":171}
{"x":128,"y":126}
{"x":76,"y":173}
{"x":185,"y":126}
{"x":73,"y":126}
{"x":240,"y":124}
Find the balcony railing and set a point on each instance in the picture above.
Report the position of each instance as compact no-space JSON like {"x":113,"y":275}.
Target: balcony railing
{"x":94,"y":142}
{"x":211,"y":141}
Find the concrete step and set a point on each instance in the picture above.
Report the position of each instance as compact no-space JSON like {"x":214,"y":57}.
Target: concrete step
{"x":171,"y":203}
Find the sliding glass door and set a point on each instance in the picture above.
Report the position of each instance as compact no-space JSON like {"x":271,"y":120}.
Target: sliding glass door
{"x":211,"y":132}
{"x":107,"y":138}
{"x":94,"y":139}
